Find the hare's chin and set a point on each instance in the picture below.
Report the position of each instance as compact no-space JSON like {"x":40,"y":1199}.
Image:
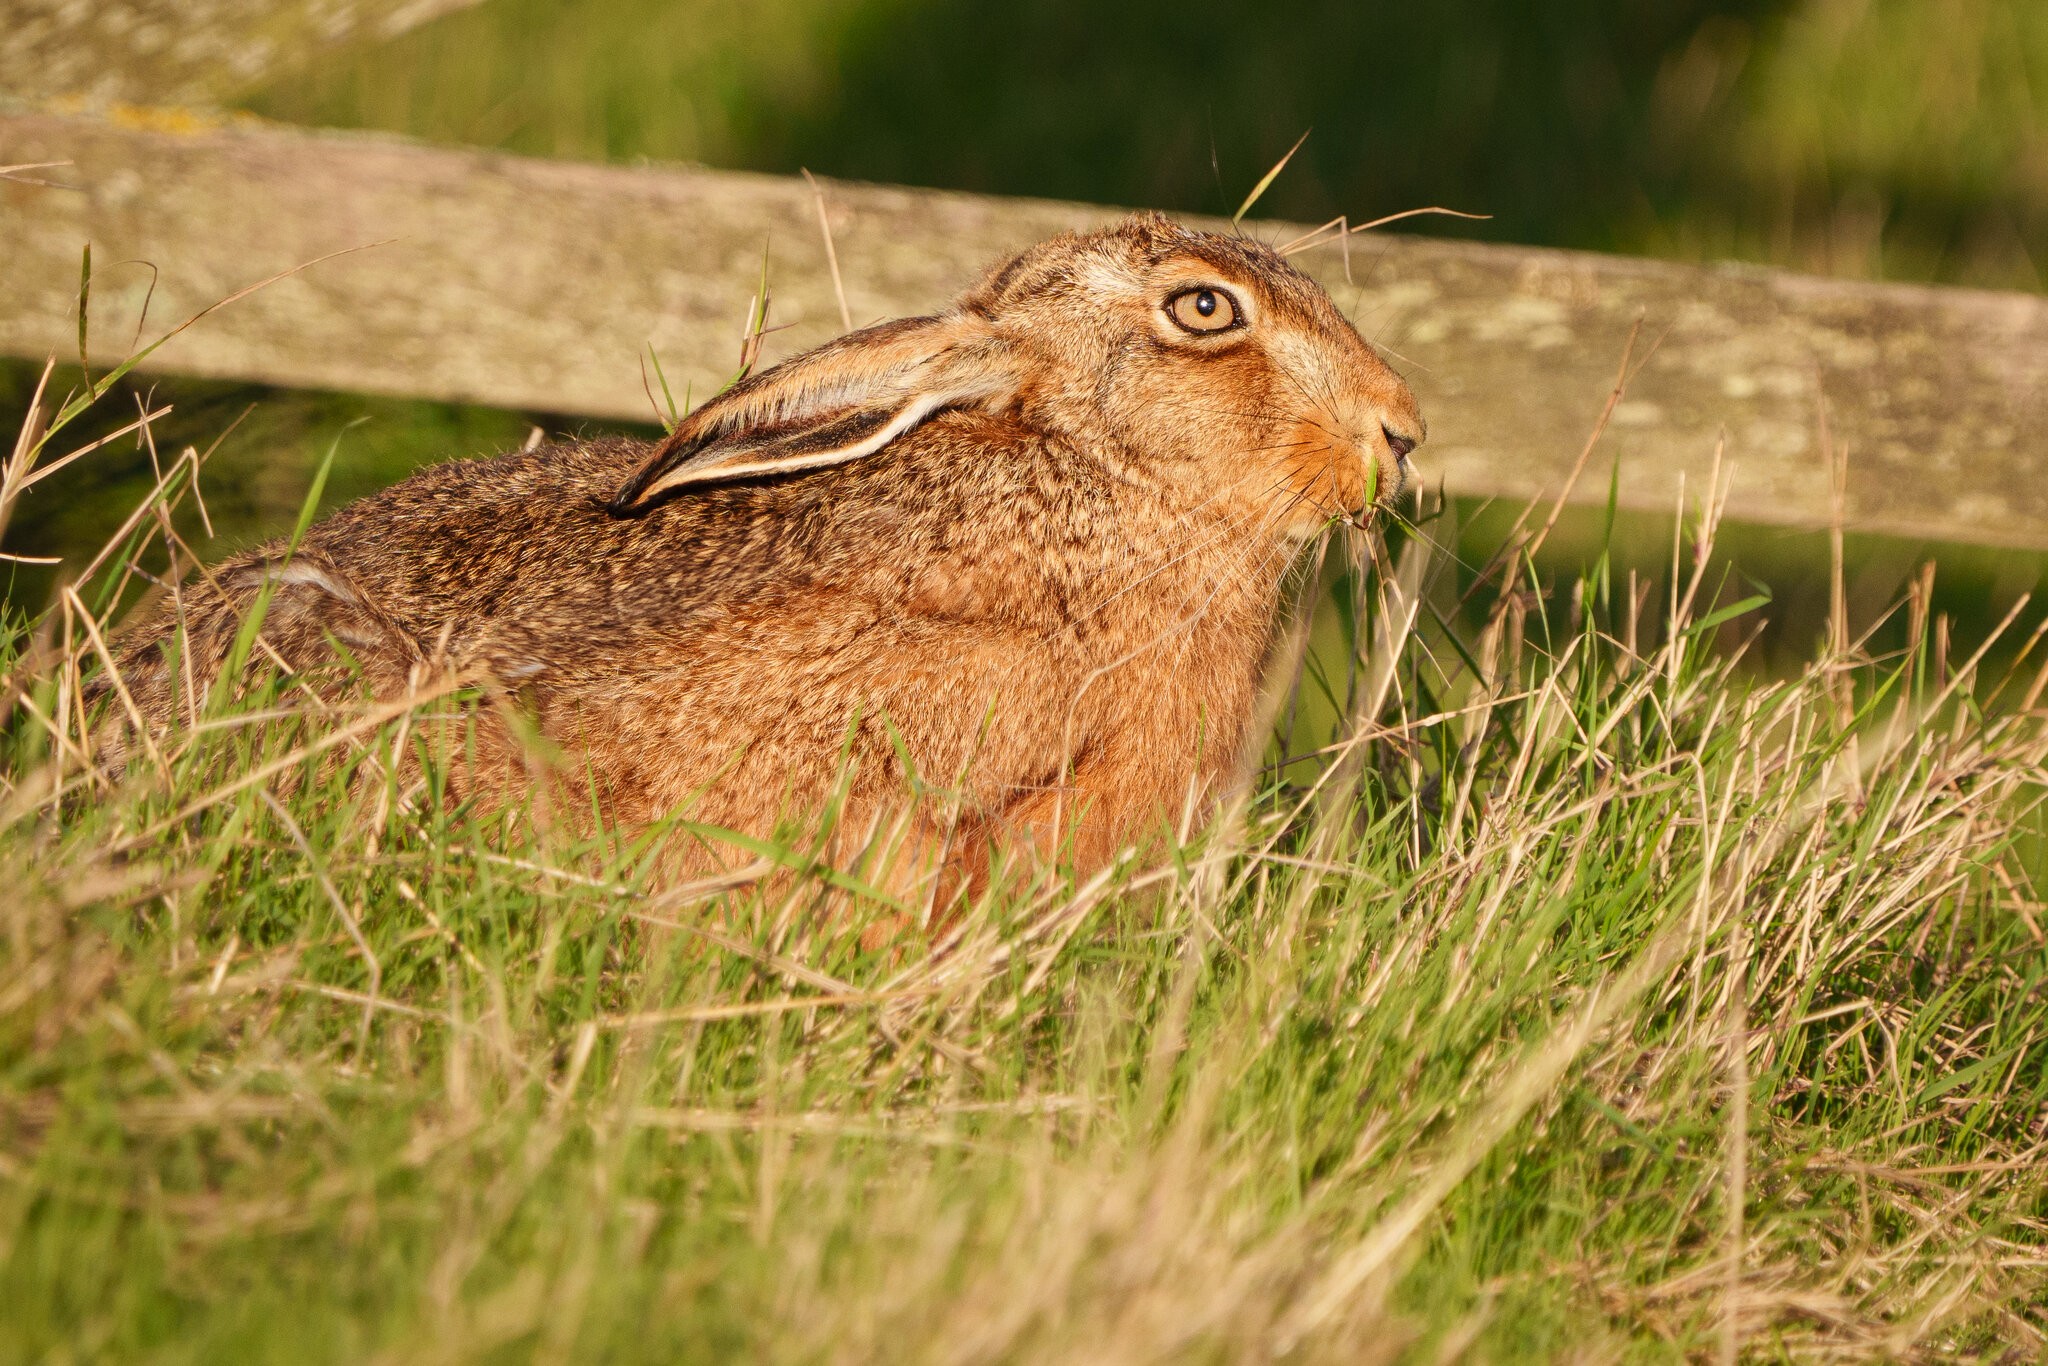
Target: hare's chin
{"x":1303,"y":528}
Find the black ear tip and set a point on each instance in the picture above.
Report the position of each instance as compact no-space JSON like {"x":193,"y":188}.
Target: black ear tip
{"x":632,"y":500}
{"x":627,"y":504}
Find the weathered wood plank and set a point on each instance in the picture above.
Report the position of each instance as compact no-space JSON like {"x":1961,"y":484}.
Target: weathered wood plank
{"x":534,"y":284}
{"x":181,"y":51}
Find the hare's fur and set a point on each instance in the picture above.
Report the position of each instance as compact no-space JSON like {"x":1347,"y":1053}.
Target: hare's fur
{"x":1035,"y":544}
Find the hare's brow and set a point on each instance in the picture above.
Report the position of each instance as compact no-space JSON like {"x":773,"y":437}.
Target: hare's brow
{"x":1231,"y":253}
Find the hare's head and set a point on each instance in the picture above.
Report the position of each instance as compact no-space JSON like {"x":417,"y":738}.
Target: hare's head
{"x":1197,"y":358}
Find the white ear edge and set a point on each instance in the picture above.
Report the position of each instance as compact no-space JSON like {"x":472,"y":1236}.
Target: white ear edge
{"x":912,"y":413}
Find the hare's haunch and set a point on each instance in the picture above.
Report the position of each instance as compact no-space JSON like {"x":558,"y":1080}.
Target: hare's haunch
{"x":1034,"y":545}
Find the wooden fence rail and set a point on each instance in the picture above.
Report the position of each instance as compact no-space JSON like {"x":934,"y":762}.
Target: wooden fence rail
{"x":538,"y":285}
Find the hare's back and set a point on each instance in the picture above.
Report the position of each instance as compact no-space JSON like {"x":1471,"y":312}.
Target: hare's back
{"x":521,"y":556}
{"x":476,"y":539}
{"x":531,"y":536}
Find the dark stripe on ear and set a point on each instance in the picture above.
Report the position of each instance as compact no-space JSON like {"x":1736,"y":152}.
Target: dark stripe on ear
{"x":879,"y":332}
{"x":850,"y":430}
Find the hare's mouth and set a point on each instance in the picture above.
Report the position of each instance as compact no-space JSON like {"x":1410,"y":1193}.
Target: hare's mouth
{"x":1328,"y":482}
{"x":1335,"y":473}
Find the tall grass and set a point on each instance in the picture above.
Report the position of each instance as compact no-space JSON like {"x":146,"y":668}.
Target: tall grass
{"x":1576,"y":996}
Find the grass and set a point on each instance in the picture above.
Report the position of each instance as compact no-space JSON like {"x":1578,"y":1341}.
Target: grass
{"x":1581,"y":997}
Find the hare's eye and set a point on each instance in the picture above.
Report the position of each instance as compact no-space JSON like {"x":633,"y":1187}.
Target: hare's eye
{"x":1202,"y":310}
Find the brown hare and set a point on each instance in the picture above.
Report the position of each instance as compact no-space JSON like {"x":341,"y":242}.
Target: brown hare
{"x":1033,"y":546}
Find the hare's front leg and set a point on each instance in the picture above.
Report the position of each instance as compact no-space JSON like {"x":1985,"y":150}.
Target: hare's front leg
{"x":1113,"y":797}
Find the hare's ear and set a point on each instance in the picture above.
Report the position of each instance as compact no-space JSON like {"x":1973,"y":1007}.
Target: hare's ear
{"x":847,"y":399}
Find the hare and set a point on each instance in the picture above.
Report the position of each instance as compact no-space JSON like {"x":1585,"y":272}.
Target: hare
{"x":1031,"y":548}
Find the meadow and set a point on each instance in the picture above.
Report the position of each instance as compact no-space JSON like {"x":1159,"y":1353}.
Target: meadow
{"x":1563,"y":989}
{"x":1617,"y":959}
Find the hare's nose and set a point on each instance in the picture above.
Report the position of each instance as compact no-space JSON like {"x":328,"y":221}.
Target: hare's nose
{"x":1398,"y":444}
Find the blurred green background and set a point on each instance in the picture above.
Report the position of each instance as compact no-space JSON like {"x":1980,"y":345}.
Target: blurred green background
{"x":1903,"y":139}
